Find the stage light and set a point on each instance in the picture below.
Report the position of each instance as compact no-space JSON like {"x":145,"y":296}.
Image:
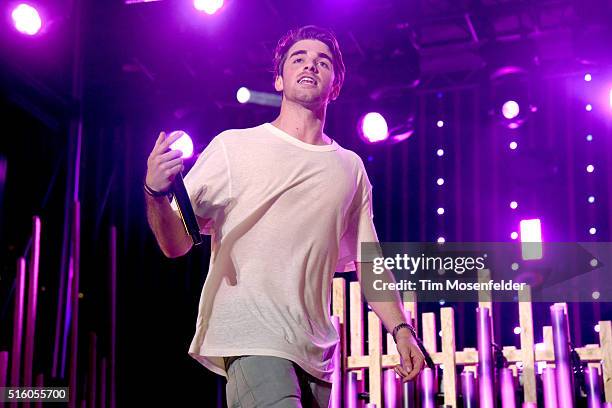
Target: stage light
{"x":513,"y":205}
{"x":514,"y":235}
{"x":596,"y":328}
{"x":243,"y":95}
{"x":513,"y":145}
{"x":26,"y":19}
{"x":531,"y":239}
{"x":590,"y":168}
{"x":591,"y":199}
{"x":587,"y":77}
{"x":440,"y":181}
{"x":517,"y":330}
{"x":510,"y":109}
{"x":441,"y":240}
{"x":588,"y":107}
{"x":595,"y":295}
{"x":183,"y":143}
{"x":440,"y":210}
{"x":592,"y":230}
{"x":442,"y":302}
{"x":515,"y":266}
{"x":594,"y":263}
{"x":589,"y":138}
{"x":440,"y":123}
{"x":208,"y":6}
{"x":373,"y":127}
{"x":440,"y":152}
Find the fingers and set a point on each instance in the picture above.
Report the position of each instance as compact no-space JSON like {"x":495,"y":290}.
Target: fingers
{"x":173,"y":137}
{"x":410,"y":366}
{"x":171,"y":155}
{"x":417,"y":365}
{"x":171,"y":164}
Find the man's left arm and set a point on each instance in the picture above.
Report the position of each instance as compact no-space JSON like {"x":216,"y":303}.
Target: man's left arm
{"x":391,"y":314}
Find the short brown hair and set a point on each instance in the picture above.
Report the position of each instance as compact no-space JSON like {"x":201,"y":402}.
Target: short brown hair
{"x":310,"y":32}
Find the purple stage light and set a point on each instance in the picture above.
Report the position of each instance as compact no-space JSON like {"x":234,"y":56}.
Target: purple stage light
{"x":592,"y":230}
{"x":26,"y":19}
{"x":440,"y":181}
{"x":591,"y":199}
{"x":440,"y":152}
{"x":590,"y":168}
{"x":243,"y":95}
{"x":514,"y":235}
{"x":208,"y":6}
{"x":440,"y":123}
{"x":510,"y":109}
{"x":183,"y":143}
{"x":589,"y":138}
{"x":588,"y":77}
{"x":513,"y":145}
{"x":513,"y":205}
{"x":441,"y":240}
{"x":517,"y":330}
{"x":588,"y":107}
{"x":373,"y":127}
{"x":440,"y":210}
{"x":531,"y":234}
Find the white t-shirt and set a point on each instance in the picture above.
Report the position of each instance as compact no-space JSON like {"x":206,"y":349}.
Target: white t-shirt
{"x":284,"y":215}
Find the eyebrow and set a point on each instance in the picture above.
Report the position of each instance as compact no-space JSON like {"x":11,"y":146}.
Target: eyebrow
{"x":300,"y":52}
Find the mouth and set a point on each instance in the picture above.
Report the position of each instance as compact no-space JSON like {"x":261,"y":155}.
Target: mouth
{"x":307,"y":81}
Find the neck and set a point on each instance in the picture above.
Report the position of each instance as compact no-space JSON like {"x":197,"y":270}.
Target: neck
{"x":303,"y":123}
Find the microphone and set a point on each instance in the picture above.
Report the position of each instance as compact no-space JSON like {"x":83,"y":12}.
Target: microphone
{"x":186,"y":212}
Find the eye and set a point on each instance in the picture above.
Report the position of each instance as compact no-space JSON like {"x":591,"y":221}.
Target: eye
{"x":324,"y":64}
{"x":297,"y":60}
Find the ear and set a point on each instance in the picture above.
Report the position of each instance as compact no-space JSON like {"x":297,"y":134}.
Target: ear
{"x":278,"y":84}
{"x":334,"y":93}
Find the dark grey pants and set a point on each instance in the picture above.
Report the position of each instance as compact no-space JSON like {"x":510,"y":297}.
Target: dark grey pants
{"x":264,"y":381}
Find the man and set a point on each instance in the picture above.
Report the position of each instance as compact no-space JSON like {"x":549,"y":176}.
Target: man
{"x":286,"y":207}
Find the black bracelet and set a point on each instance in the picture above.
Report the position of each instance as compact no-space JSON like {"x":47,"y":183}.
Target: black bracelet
{"x":402,"y":326}
{"x":154,"y":193}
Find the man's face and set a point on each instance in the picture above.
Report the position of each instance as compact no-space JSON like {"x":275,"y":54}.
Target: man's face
{"x":308,"y":74}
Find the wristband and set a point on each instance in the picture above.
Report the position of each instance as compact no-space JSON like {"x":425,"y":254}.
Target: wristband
{"x":154,"y":193}
{"x":401,"y":326}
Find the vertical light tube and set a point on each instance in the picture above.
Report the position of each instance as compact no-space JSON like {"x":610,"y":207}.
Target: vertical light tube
{"x":508,"y":393}
{"x":427,"y":388}
{"x":4,"y":355}
{"x":468,"y":389}
{"x":28,"y":355}
{"x":18,"y":323}
{"x":390,"y":389}
{"x":591,"y":377}
{"x":351,"y":390}
{"x":74,"y":329}
{"x":549,"y":386}
{"x":485,"y":358}
{"x":562,"y":360}
{"x":336,"y":377}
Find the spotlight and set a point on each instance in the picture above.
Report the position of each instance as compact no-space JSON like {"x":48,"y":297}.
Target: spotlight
{"x":588,"y":107}
{"x":592,"y":230}
{"x":514,"y":235}
{"x":208,"y":6}
{"x":595,"y":295}
{"x":440,"y":152}
{"x":183,"y":143}
{"x":246,"y":95}
{"x":510,"y":109}
{"x":531,"y":239}
{"x":26,"y":19}
{"x":440,"y":181}
{"x":513,"y":205}
{"x":589,"y":138}
{"x":587,"y":77}
{"x":440,"y":210}
{"x":243,"y":95}
{"x":440,"y":123}
{"x":517,"y":330}
{"x":590,"y":168}
{"x":596,"y":328}
{"x":513,"y":145}
{"x":591,"y":199}
{"x":441,"y":240}
{"x":373,"y":128}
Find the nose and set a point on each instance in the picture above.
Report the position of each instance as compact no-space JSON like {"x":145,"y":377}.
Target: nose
{"x":310,"y":66}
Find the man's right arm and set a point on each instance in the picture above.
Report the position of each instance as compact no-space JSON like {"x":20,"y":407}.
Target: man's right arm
{"x":167,"y":227}
{"x":162,"y":167}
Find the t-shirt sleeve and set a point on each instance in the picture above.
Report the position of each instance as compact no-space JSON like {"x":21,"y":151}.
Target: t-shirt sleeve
{"x":209,"y":187}
{"x":360,"y":225}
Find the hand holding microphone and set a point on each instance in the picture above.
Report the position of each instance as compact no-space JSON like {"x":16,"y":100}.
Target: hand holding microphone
{"x":164,"y":177}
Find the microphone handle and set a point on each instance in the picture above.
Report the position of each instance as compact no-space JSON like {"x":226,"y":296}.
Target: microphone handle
{"x":186,"y":212}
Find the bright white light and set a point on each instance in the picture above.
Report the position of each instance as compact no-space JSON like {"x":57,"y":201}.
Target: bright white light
{"x":440,"y":181}
{"x":441,"y":240}
{"x":208,"y":6}
{"x":183,"y":143}
{"x":531,"y":234}
{"x":590,"y":168}
{"x":440,"y":211}
{"x":587,"y":77}
{"x":513,"y":145}
{"x":374,"y":127}
{"x":510,"y":109}
{"x":442,"y":302}
{"x":514,"y":266}
{"x":440,"y":152}
{"x":517,"y":330}
{"x":595,"y":295}
{"x":26,"y":19}
{"x":513,"y":205}
{"x":591,"y":199}
{"x":589,"y":138}
{"x":243,"y":95}
{"x":588,"y":107}
{"x":594,"y":262}
{"x":592,"y":230}
{"x":596,"y":328}
{"x":514,"y":235}
{"x":440,"y":123}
